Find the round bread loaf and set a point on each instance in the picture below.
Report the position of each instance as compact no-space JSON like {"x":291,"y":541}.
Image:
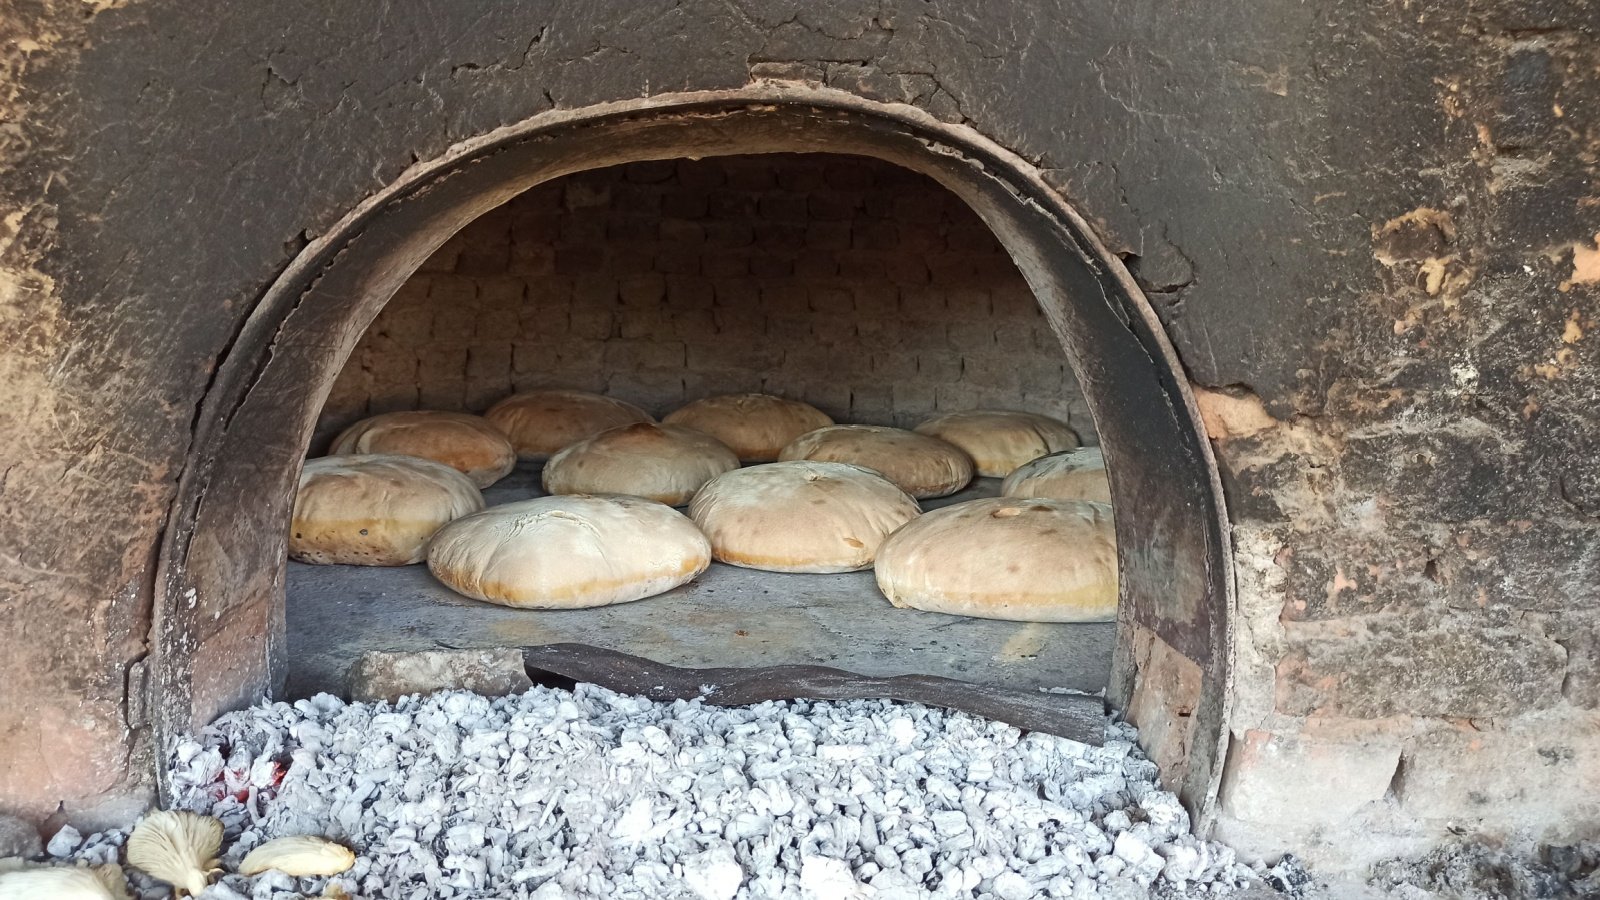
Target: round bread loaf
{"x":664,"y":463}
{"x":921,"y":466}
{"x":466,"y":443}
{"x":1000,"y":440}
{"x":800,"y":516}
{"x":756,"y":426}
{"x":569,"y":552}
{"x":1006,"y":558}
{"x":1067,"y":475}
{"x":376,"y":510}
{"x":540,"y":423}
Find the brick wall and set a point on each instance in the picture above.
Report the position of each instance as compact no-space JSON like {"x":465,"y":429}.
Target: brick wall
{"x":863,"y":288}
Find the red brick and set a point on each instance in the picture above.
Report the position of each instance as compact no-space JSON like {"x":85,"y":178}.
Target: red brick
{"x":832,"y":301}
{"x":701,"y":174}
{"x":876,"y":299}
{"x":853,"y":317}
{"x":828,"y":235}
{"x":787,"y":236}
{"x":751,"y":174}
{"x":784,"y":208}
{"x":579,"y":260}
{"x":585,"y":192}
{"x":883,"y":236}
{"x":678,"y":262}
{"x":644,"y":290}
{"x":831,"y":206}
{"x":685,"y":206}
{"x":729,"y":234}
{"x":636,"y":200}
{"x":848,"y":175}
{"x":801,"y":178}
{"x":815,"y":264}
{"x":587,"y":226}
{"x":652,"y":171}
{"x":785,"y":298}
{"x":730,"y":205}
{"x":716,"y":264}
{"x":532,"y":259}
{"x":681,"y":231}
{"x":643,"y":354}
{"x":739,"y":321}
{"x":689,"y":292}
{"x":736,"y":293}
{"x":771,"y":265}
{"x":536,"y":229}
{"x":595,"y":324}
{"x":835,"y":330}
{"x":863,"y":266}
{"x":633,"y":229}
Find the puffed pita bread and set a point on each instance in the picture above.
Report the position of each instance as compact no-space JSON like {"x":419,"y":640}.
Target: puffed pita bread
{"x":664,"y":463}
{"x":756,"y":426}
{"x":569,"y":552}
{"x":540,"y":423}
{"x":800,"y":516}
{"x":1066,"y":475}
{"x":921,"y":466}
{"x":1000,"y":440}
{"x":1006,"y":558}
{"x":464,"y":442}
{"x":375,"y":510}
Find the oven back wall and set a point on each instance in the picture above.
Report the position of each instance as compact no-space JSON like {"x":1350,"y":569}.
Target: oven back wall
{"x":857,"y":285}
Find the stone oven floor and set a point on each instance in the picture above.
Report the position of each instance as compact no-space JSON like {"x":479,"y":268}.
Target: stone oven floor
{"x":728,"y":617}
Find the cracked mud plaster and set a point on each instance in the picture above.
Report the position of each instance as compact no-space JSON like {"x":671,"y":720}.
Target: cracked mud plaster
{"x":1585,"y":270}
{"x":1421,"y":248}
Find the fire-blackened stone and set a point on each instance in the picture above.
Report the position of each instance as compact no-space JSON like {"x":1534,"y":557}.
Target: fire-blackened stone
{"x":1421,"y":665}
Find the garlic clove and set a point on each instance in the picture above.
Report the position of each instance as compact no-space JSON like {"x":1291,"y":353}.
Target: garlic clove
{"x":38,"y":882}
{"x":300,"y":855}
{"x":178,"y":847}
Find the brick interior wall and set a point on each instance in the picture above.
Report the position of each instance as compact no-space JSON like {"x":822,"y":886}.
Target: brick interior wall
{"x":863,"y":288}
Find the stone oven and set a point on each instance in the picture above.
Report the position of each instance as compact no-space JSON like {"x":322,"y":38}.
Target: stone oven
{"x":1321,"y":282}
{"x":856,"y":285}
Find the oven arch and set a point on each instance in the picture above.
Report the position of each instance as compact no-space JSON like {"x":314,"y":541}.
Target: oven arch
{"x":218,"y":625}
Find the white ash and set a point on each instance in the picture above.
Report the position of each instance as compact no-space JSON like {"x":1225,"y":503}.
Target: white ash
{"x":557,"y":795}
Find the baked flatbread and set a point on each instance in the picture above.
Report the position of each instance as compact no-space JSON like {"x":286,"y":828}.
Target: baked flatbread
{"x":1000,"y":440}
{"x":664,"y":463}
{"x":375,"y":510}
{"x":756,"y":426}
{"x":921,"y":466}
{"x":800,"y":516}
{"x":464,"y":442}
{"x":569,"y":552}
{"x":1067,"y":475}
{"x":540,"y":423}
{"x":1006,"y":558}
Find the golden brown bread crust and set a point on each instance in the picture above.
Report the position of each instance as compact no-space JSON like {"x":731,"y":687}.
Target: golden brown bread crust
{"x":921,"y":466}
{"x":1066,"y":475}
{"x":569,"y":552}
{"x":664,"y":463}
{"x":755,"y":426}
{"x":467,"y":443}
{"x":540,"y":423}
{"x":1027,"y":560}
{"x":1000,"y":440}
{"x":800,"y":516}
{"x":375,"y":510}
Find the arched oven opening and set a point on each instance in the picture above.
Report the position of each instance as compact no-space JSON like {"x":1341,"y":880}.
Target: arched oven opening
{"x":874,"y":263}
